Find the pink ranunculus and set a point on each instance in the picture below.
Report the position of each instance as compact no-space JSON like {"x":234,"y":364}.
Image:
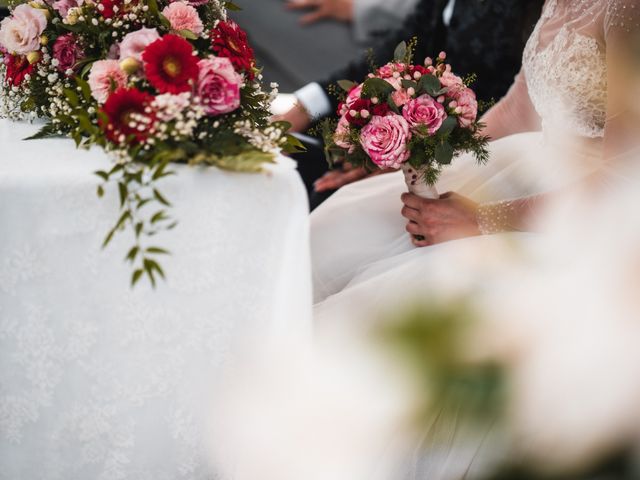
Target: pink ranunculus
{"x":63,"y":6}
{"x":67,"y":51}
{"x":424,"y":110}
{"x":134,"y":43}
{"x":20,"y":33}
{"x":467,"y":108}
{"x":452,"y":82}
{"x":218,"y":85}
{"x":341,"y":136}
{"x":183,"y":16}
{"x":105,"y":77}
{"x":385,"y":140}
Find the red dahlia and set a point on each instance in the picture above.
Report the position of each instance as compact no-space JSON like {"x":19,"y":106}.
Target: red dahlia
{"x":170,"y":65}
{"x":230,"y":41}
{"x":109,"y":7}
{"x":125,"y":112}
{"x":17,"y":68}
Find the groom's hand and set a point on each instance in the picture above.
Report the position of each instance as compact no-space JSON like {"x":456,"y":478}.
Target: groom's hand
{"x":450,"y":217}
{"x":338,"y":9}
{"x":335,"y":179}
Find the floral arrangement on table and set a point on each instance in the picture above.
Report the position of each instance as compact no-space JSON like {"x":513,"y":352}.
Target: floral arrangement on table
{"x":411,"y":117}
{"x":150,"y":81}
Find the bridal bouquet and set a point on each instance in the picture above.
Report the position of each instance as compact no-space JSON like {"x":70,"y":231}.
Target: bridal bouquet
{"x":151,"y":82}
{"x":411,"y":117}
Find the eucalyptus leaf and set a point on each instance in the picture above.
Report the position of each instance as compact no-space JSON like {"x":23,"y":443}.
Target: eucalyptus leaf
{"x":444,"y":153}
{"x":429,"y":84}
{"x":449,"y":124}
{"x":376,"y":87}
{"x":347,"y":85}
{"x":400,"y":52}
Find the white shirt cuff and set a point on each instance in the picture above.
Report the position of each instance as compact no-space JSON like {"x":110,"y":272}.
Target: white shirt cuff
{"x":314,"y":100}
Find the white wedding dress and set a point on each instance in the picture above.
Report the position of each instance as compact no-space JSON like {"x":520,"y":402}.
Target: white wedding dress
{"x":559,"y":121}
{"x":363,"y":259}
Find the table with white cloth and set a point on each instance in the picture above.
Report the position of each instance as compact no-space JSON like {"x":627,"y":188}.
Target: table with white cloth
{"x":99,"y":381}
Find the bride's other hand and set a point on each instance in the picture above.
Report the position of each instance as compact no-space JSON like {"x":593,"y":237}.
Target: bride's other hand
{"x":338,"y":9}
{"x":450,"y":217}
{"x":338,"y":178}
{"x":297,"y":116}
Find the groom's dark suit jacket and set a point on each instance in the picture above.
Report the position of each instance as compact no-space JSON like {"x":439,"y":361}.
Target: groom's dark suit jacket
{"x":485,"y":37}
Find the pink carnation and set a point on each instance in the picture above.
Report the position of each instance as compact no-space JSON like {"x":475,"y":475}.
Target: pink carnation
{"x":341,"y":136}
{"x":63,"y":6}
{"x":400,"y":97}
{"x":467,"y":108}
{"x":134,"y":43}
{"x":105,"y":77}
{"x":389,"y":69}
{"x":67,"y":52}
{"x":385,"y":140}
{"x":20,"y":33}
{"x":451,"y":81}
{"x":195,"y":3}
{"x":354,"y":95}
{"x":218,"y":85}
{"x":424,"y":110}
{"x":183,"y":16}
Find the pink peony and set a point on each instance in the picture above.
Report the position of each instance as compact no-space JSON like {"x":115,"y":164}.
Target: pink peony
{"x":67,"y":52}
{"x":105,"y":77}
{"x":218,"y":85}
{"x":467,"y":108}
{"x":183,"y":16}
{"x":424,"y":110}
{"x":20,"y":33}
{"x":341,"y":136}
{"x":385,"y":140}
{"x":134,"y":43}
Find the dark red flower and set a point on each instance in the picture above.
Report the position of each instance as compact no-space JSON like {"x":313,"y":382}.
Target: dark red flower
{"x":17,"y":68}
{"x":380,"y":109}
{"x":358,"y":106}
{"x":108,"y":9}
{"x":229,"y":40}
{"x":418,"y":68}
{"x":170,"y":65}
{"x":126,"y":115}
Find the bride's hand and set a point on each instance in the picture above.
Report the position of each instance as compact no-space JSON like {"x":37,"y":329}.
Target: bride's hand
{"x":450,"y":217}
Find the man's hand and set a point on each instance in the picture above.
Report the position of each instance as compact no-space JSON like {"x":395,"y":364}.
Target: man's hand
{"x":347,"y":174}
{"x":448,"y":218}
{"x":338,"y":9}
{"x":297,"y":116}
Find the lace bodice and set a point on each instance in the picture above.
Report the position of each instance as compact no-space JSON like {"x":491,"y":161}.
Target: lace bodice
{"x":565,"y":62}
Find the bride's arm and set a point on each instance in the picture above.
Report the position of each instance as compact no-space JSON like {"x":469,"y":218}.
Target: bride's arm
{"x":513,"y":114}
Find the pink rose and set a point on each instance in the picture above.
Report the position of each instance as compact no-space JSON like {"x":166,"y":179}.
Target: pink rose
{"x":424,"y":110}
{"x":183,"y":16}
{"x":134,"y":43}
{"x":467,"y":108}
{"x":341,"y":136}
{"x":195,"y":3}
{"x":105,"y":77}
{"x":451,"y":81}
{"x":20,"y":33}
{"x":218,"y":85}
{"x":354,"y":95}
{"x":385,"y":140}
{"x":67,"y":52}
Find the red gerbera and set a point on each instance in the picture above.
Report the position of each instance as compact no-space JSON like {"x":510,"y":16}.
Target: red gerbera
{"x":229,"y":40}
{"x":126,"y":115}
{"x":170,"y":65}
{"x":17,"y":68}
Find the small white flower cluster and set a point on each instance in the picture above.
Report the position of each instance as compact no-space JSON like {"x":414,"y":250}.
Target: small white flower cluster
{"x":267,"y":140}
{"x":11,"y":100}
{"x":179,"y":115}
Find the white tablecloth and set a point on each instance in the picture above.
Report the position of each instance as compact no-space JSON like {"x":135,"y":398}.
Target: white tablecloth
{"x":98,"y":381}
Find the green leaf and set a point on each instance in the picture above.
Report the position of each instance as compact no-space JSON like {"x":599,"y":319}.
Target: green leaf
{"x":429,"y":84}
{"x":136,"y":277}
{"x":376,"y":87}
{"x":400,"y":52}
{"x":72,"y":97}
{"x":159,"y":216}
{"x":448,"y":126}
{"x":392,"y":104}
{"x":158,"y":251}
{"x":188,"y":34}
{"x":139,"y":226}
{"x":232,"y":7}
{"x":347,"y":85}
{"x":160,"y":198}
{"x":123,"y":191}
{"x":444,"y":153}
{"x":131,"y":256}
{"x":100,"y":191}
{"x":409,"y":84}
{"x":84,"y":86}
{"x":47,"y":131}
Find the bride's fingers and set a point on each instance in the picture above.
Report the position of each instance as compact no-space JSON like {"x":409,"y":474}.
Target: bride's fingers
{"x":413,"y":228}
{"x":423,"y":242}
{"x":414,"y":201}
{"x":410,"y":213}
